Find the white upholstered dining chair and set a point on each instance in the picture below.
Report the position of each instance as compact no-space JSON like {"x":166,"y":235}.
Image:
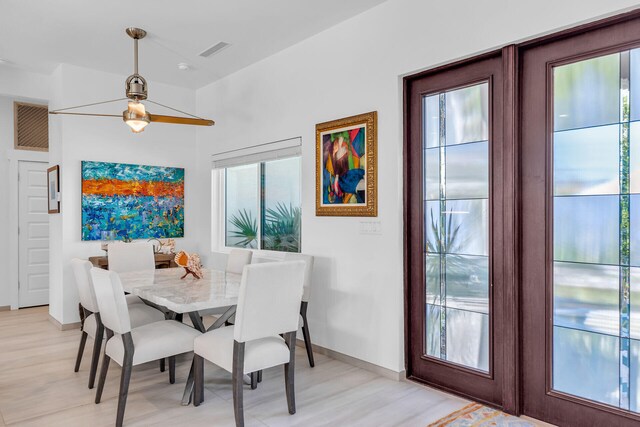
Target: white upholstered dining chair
{"x":237,"y":259}
{"x":140,"y":314}
{"x":308,"y":271}
{"x":129,"y":346}
{"x":134,"y":256}
{"x":264,"y":332}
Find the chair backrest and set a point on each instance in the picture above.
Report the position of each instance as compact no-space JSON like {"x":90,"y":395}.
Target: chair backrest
{"x":269,"y":300}
{"x":125,"y":257}
{"x":308,"y":270}
{"x":82,"y":272}
{"x":114,"y":312}
{"x":237,"y":259}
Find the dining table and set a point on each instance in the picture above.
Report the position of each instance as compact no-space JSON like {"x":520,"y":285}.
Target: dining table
{"x":177,"y":295}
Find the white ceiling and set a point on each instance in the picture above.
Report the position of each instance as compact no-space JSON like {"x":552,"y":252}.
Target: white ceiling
{"x":40,"y":34}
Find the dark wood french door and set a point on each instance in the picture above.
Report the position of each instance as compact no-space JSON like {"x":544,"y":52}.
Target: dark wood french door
{"x":457,"y":259}
{"x":580,"y":216}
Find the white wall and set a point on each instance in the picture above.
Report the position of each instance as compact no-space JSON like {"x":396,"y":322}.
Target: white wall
{"x":357,"y":301}
{"x":73,"y":139}
{"x":15,"y":85}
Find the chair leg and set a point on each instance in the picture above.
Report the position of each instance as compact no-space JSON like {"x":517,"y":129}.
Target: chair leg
{"x":254,"y":380}
{"x":105,"y":367}
{"x":198,"y":376}
{"x":162,"y":366}
{"x":289,"y":369}
{"x":305,"y":333}
{"x":127,"y":365}
{"x":236,"y":379}
{"x":81,"y":311}
{"x":97,"y":344}
{"x":172,"y":369}
{"x":83,"y":341}
{"x":260,"y":376}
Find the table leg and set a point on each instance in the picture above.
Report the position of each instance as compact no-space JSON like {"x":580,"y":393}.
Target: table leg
{"x":222,"y":319}
{"x":188,"y":389}
{"x":197,"y":323}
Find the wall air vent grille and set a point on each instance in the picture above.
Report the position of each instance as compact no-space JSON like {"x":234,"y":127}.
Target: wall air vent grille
{"x":31,"y":124}
{"x":216,"y":48}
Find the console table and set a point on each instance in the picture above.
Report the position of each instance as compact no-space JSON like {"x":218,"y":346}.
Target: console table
{"x":162,"y":261}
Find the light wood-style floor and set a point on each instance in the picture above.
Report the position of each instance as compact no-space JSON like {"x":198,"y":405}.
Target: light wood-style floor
{"x":39,"y":388}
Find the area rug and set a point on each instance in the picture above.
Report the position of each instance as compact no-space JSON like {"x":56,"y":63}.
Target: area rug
{"x":477,"y":415}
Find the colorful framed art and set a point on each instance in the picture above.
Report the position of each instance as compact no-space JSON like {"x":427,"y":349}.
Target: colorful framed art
{"x":346,"y":166}
{"x":126,"y":201}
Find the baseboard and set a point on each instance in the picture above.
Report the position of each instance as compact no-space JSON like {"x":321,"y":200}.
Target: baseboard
{"x":64,"y":327}
{"x":5,"y":308}
{"x":359,"y":363}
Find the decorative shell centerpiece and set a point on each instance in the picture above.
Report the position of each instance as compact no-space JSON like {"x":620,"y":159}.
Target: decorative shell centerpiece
{"x":191,"y":264}
{"x":168,"y":247}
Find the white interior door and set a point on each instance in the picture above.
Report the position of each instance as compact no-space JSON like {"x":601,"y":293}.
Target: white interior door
{"x":33,"y":234}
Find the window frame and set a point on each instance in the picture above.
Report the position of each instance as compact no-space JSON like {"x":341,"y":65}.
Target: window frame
{"x":219,"y":210}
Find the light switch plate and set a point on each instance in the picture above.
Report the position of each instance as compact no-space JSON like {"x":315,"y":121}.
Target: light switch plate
{"x":370,"y":227}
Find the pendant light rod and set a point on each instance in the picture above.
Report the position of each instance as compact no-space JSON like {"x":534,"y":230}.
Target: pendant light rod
{"x":136,"y":34}
{"x":135,"y":56}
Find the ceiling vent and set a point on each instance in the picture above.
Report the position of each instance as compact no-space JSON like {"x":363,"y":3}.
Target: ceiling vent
{"x":216,"y":48}
{"x":31,"y":123}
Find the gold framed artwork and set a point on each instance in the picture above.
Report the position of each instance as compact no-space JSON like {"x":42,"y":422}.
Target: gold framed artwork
{"x":346,"y":166}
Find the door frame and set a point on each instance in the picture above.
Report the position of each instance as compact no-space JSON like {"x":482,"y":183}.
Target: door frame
{"x":16,"y":156}
{"x":512,"y":214}
{"x":503,"y":175}
{"x":602,"y":37}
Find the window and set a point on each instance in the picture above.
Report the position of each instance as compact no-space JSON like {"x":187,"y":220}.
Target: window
{"x":262,"y":205}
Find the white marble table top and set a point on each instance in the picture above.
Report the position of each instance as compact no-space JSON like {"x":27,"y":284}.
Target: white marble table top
{"x":164,"y":287}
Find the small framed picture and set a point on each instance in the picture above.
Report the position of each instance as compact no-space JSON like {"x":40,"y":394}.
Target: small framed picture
{"x":346,"y":170}
{"x":53,"y":189}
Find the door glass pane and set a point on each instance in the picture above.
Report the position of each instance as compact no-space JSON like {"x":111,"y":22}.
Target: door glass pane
{"x":585,"y":161}
{"x":595,"y":307}
{"x":432,"y":118}
{"x":467,"y":114}
{"x":635,"y":376}
{"x":456,"y":222}
{"x":432,"y":173}
{"x":587,"y":366}
{"x":467,"y":170}
{"x":586,"y":93}
{"x":465,"y":230}
{"x":432,"y":269}
{"x":586,"y":296}
{"x":586,"y":229}
{"x":635,"y":303}
{"x":634,"y":201}
{"x":468,"y":338}
{"x":634,"y":166}
{"x":468,"y":282}
{"x":432,"y":226}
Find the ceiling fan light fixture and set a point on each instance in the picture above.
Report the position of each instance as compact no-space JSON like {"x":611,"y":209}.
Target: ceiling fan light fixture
{"x":136,"y":117}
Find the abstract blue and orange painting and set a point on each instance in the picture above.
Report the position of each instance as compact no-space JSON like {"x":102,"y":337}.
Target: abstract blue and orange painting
{"x":127,"y":201}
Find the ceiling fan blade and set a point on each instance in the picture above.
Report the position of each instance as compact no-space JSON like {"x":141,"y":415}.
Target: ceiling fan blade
{"x":180,"y":120}
{"x":85,"y":114}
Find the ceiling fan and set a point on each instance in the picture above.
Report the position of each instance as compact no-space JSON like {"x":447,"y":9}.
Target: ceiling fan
{"x":136,"y":116}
